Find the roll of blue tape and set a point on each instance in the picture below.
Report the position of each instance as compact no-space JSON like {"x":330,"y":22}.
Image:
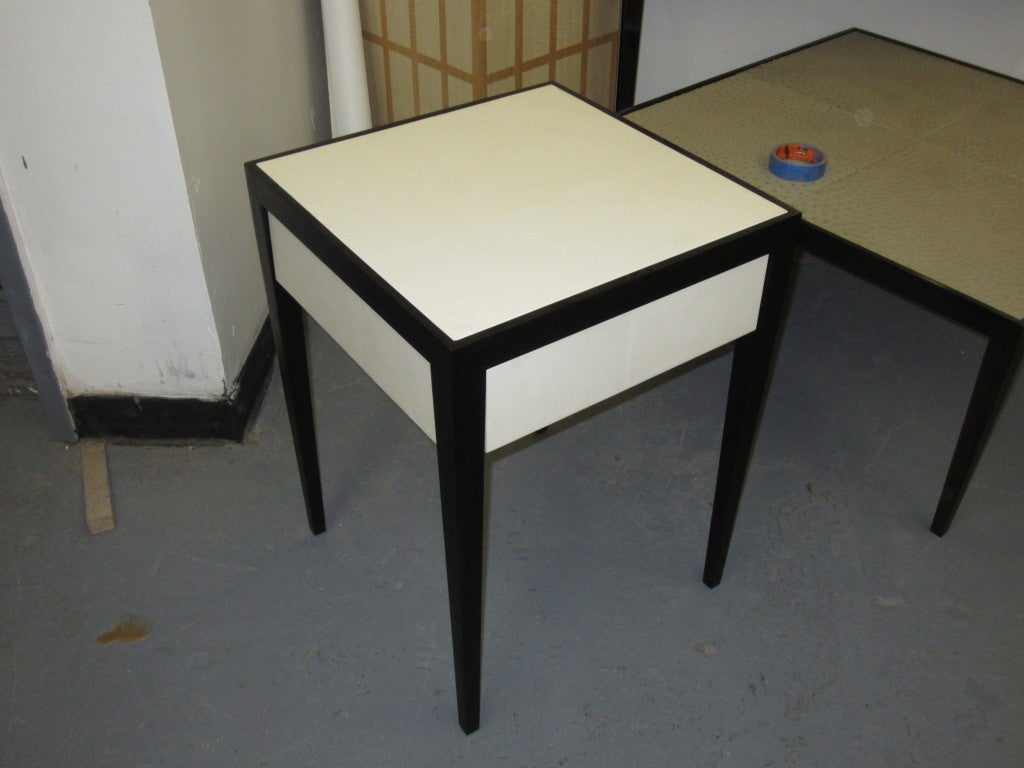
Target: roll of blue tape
{"x":797,"y":162}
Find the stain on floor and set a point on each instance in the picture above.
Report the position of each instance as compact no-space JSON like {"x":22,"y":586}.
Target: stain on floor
{"x":128,"y":631}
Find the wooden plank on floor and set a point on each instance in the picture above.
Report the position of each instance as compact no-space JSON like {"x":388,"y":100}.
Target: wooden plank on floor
{"x":99,"y":510}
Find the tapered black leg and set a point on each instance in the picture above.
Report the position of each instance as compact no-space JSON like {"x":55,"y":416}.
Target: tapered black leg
{"x":290,"y":338}
{"x":631,"y":19}
{"x":288,"y":323}
{"x":748,"y":384}
{"x":459,"y":420}
{"x":998,"y":366}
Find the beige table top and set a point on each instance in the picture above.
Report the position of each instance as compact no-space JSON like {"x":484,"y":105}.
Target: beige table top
{"x":481,"y":215}
{"x":925,"y":156}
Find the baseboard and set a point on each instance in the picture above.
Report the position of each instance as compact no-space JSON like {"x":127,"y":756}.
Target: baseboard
{"x":174,"y":419}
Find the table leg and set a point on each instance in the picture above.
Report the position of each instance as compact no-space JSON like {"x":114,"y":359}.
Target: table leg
{"x":748,"y":385}
{"x":290,"y":339}
{"x":459,"y":397}
{"x":287,"y":321}
{"x":288,"y":324}
{"x":998,"y":366}
{"x":631,"y":18}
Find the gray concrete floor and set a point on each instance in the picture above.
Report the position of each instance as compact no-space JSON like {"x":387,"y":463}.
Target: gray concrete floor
{"x":15,"y":373}
{"x":844,"y":633}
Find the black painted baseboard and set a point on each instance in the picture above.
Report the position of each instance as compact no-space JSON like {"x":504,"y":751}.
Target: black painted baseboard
{"x":167,"y":418}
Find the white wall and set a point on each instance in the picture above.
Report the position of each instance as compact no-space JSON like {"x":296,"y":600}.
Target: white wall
{"x":686,"y":41}
{"x":137,"y":242}
{"x":91,"y":167}
{"x":245,"y":80}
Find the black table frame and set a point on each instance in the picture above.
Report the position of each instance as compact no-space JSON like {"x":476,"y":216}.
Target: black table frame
{"x":458,"y":370}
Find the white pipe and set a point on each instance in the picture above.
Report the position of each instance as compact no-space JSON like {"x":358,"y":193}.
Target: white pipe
{"x":346,"y":67}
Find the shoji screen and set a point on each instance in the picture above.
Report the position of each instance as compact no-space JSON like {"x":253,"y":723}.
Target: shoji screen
{"x":424,"y":55}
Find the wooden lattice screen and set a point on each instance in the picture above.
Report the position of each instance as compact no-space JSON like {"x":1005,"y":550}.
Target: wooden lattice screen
{"x":425,"y":55}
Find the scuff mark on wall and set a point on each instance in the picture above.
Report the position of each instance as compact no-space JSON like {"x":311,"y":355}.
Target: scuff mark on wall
{"x":174,"y":370}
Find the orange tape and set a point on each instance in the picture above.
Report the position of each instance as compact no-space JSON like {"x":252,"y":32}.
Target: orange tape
{"x":798,"y":152}
{"x":797,"y":162}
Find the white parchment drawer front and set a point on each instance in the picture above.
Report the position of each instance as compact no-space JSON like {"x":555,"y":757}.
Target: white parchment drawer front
{"x":387,"y":358}
{"x":555,"y":381}
{"x":550,"y":383}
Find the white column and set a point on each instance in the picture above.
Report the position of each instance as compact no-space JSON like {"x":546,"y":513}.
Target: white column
{"x":346,"y":67}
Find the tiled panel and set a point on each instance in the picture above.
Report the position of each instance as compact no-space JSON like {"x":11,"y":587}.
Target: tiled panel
{"x":569,"y":23}
{"x":990,"y":135}
{"x":459,"y":91}
{"x":741,"y":145}
{"x":431,"y":94}
{"x":940,"y":215}
{"x":370,"y":15}
{"x":428,"y":27}
{"x":898,"y":87}
{"x":925,"y":158}
{"x":398,"y":22}
{"x":500,"y":35}
{"x":601,"y":73}
{"x":459,"y":34}
{"x":377,"y":84}
{"x":536,"y":75}
{"x":567,"y":71}
{"x":402,"y":91}
{"x":499,"y":87}
{"x":536,"y":28}
{"x":424,"y":55}
{"x":604,"y":19}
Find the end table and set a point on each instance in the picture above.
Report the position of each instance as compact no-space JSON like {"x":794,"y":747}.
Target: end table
{"x":498,"y":267}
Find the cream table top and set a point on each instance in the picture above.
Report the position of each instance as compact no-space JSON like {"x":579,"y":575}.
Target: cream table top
{"x":479,"y":216}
